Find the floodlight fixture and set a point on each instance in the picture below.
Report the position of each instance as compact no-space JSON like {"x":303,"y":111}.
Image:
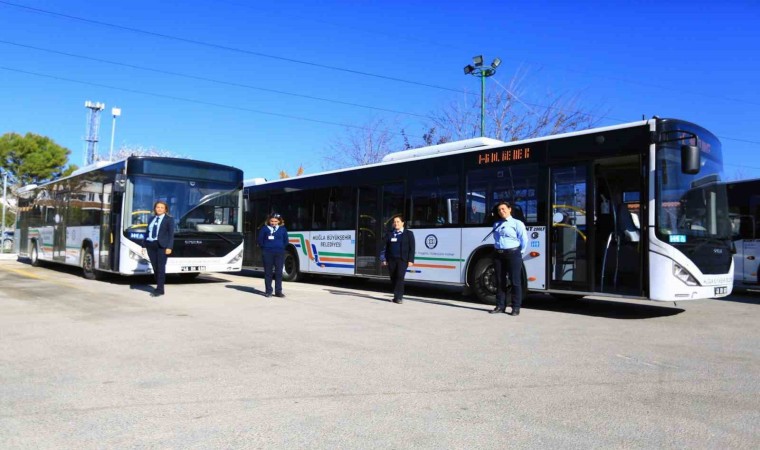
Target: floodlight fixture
{"x":483,"y":72}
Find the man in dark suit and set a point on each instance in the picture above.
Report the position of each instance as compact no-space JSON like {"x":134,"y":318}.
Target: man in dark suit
{"x":158,"y":243}
{"x":398,"y":255}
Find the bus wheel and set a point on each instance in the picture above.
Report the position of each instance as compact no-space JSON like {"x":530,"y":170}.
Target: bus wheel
{"x":34,"y":255}
{"x":88,"y":264}
{"x":484,"y":281}
{"x":290,"y":270}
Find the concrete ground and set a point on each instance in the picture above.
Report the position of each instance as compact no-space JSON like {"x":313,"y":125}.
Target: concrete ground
{"x":214,"y":364}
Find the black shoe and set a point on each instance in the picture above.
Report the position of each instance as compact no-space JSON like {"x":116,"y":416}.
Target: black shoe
{"x":268,"y":294}
{"x":398,"y":300}
{"x":515,"y":312}
{"x":281,"y":295}
{"x":156,"y":294}
{"x":495,"y":311}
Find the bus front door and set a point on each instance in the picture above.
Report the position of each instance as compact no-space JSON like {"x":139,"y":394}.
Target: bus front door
{"x":377,"y":204}
{"x":569,"y":264}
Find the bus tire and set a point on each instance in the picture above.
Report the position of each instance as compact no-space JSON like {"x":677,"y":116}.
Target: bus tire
{"x":290,"y":271}
{"x":484,"y":280}
{"x":34,"y":255}
{"x":88,"y":263}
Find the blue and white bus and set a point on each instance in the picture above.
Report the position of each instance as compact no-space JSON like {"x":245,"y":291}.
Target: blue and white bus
{"x":744,"y":210}
{"x":96,"y":218}
{"x":610,"y":211}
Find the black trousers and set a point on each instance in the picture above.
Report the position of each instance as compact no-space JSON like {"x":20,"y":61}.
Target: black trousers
{"x":397,"y":270}
{"x":273,"y":263}
{"x":508,"y":263}
{"x":157,"y":256}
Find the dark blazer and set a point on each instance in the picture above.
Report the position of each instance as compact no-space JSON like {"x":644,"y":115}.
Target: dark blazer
{"x":276,"y":245}
{"x":165,"y":232}
{"x":406,"y":240}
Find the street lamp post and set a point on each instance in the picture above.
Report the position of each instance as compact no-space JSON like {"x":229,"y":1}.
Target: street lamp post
{"x":477,"y":69}
{"x":116,"y":113}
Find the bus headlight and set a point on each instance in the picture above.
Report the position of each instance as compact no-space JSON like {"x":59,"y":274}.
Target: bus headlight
{"x":138,"y":258}
{"x":235,"y":259}
{"x":684,"y":275}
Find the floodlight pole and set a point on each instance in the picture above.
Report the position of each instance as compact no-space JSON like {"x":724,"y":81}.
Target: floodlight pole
{"x":483,"y":72}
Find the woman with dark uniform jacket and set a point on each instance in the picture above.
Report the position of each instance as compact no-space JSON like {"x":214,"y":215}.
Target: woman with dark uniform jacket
{"x":398,"y":255}
{"x":273,"y":238}
{"x":158,"y":243}
{"x":510,"y":242}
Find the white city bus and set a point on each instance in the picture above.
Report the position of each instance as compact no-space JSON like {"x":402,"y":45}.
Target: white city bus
{"x":610,"y":211}
{"x":96,"y":218}
{"x":744,"y":210}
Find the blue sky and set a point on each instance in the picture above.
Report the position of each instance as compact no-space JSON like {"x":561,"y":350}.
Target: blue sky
{"x":693,"y":60}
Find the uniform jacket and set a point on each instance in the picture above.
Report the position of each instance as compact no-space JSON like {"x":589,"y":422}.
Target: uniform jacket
{"x":165,"y":236}
{"x":406,"y":240}
{"x":276,"y":245}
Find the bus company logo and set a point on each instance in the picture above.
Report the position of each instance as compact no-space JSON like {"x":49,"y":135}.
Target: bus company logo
{"x":431,"y":241}
{"x":193,"y":242}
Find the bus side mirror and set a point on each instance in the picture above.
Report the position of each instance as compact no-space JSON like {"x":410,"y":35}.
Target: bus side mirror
{"x":690,"y":159}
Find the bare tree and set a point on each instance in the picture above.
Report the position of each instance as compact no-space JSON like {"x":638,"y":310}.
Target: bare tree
{"x":367,"y":144}
{"x":139,"y":150}
{"x":509,"y":118}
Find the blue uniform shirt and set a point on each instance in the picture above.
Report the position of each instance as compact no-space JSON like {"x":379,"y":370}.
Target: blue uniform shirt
{"x":509,"y":234}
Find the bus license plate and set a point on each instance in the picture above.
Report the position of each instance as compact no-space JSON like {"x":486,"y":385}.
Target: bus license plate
{"x":721,"y":290}
{"x":193,"y":268}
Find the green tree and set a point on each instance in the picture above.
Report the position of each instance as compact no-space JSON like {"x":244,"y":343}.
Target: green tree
{"x":32,"y":158}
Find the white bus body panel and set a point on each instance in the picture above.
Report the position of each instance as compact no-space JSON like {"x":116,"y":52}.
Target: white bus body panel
{"x":665,"y":286}
{"x":75,"y":238}
{"x":747,"y":261}
{"x":437,"y":256}
{"x":131,"y":262}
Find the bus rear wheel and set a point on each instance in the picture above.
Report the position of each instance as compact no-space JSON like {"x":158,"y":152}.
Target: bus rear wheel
{"x":88,"y":264}
{"x":290,"y":270}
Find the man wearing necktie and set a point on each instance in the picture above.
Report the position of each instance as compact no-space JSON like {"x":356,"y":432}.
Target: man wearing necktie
{"x":158,"y":243}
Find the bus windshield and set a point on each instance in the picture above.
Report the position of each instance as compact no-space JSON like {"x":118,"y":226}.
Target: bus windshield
{"x":197,"y":206}
{"x":690,"y":207}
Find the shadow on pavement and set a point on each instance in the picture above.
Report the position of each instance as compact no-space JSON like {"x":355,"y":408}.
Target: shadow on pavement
{"x":609,"y":309}
{"x":246,"y":289}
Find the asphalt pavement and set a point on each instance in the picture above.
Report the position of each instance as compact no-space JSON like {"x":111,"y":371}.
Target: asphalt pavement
{"x":335,"y":364}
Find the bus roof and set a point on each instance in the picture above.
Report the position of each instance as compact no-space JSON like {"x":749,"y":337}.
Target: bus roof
{"x":452,"y":148}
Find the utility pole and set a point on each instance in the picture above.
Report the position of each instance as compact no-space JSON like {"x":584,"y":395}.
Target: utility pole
{"x":116,"y":112}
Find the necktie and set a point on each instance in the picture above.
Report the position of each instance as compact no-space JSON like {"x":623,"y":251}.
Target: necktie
{"x":154,"y":229}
